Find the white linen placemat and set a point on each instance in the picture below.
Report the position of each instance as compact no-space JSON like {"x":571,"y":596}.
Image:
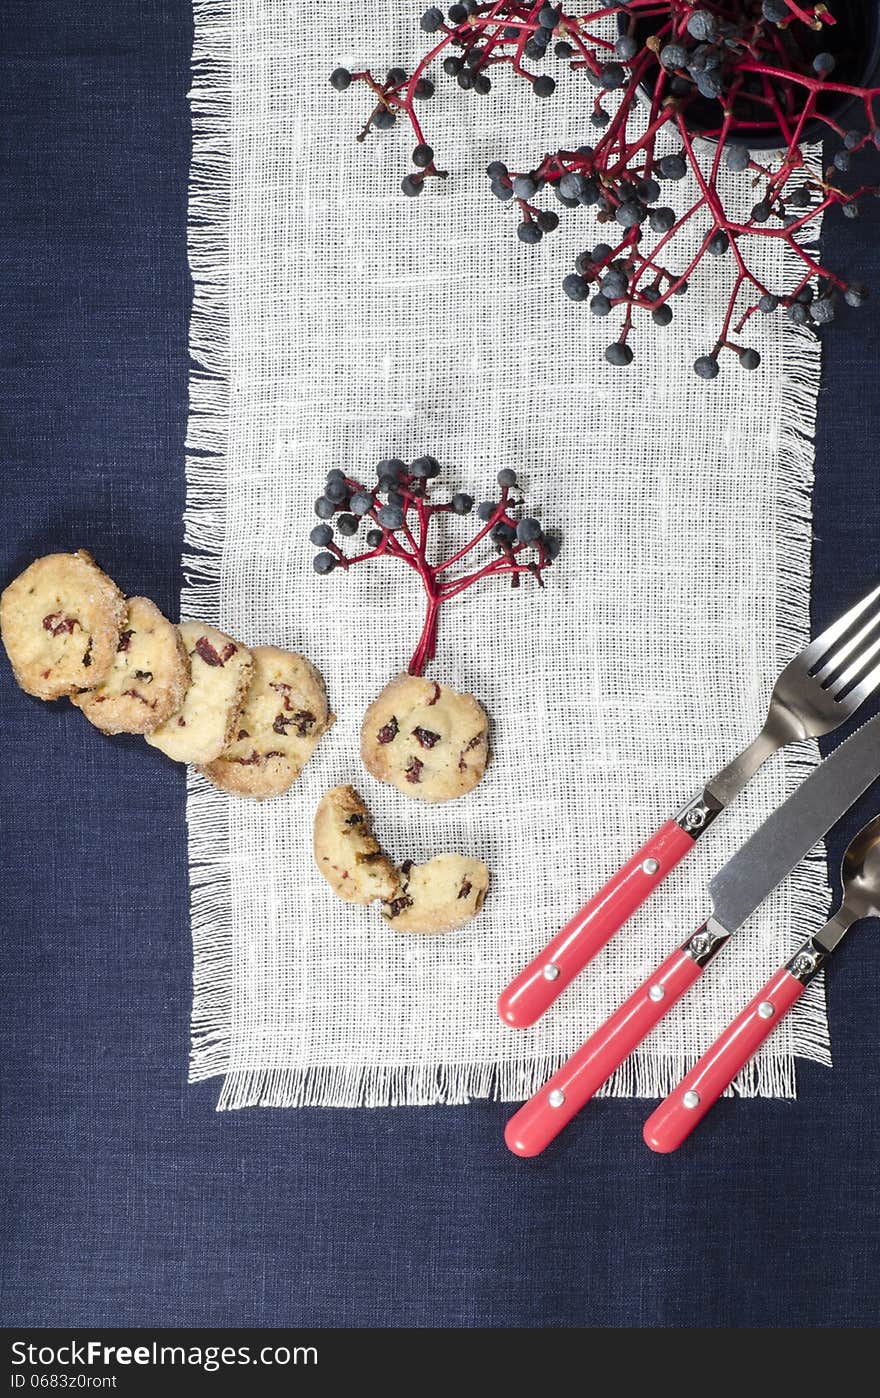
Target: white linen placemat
{"x":336,"y":322}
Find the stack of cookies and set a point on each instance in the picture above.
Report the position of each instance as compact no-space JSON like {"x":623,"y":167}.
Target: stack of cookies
{"x":248,"y":719}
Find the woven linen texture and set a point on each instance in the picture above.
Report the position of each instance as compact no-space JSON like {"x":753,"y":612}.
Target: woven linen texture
{"x":337,"y":322}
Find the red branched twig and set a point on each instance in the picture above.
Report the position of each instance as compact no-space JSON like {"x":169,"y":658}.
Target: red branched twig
{"x":402,"y":530}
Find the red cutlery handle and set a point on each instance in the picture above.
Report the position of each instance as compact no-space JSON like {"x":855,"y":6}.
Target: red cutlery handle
{"x":542,"y":1118}
{"x":687,"y":1104}
{"x":538,"y":985}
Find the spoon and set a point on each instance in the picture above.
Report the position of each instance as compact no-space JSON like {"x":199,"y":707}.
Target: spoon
{"x":688,"y":1103}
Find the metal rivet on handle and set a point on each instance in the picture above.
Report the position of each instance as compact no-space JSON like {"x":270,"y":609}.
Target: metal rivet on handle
{"x":657,"y":992}
{"x":550,"y":971}
{"x":691,"y":1099}
{"x":556,"y":1098}
{"x":650,"y":866}
{"x":766,"y":1010}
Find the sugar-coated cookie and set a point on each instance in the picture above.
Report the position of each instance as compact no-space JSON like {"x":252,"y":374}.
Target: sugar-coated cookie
{"x":148,"y":678}
{"x":61,"y":620}
{"x":281,"y":718}
{"x":438,"y":896}
{"x":220,"y":671}
{"x":348,"y":853}
{"x":426,"y":739}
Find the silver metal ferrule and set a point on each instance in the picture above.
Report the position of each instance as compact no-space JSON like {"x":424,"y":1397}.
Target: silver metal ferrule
{"x":807,"y":960}
{"x":699,"y":813}
{"x":706,"y":943}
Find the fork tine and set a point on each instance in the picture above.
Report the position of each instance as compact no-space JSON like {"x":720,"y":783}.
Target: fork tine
{"x":837,"y":656}
{"x":855,"y":670}
{"x":818,"y":648}
{"x":863,"y":691}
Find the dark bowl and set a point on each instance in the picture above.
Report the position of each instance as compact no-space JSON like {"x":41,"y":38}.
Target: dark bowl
{"x":855,"y":43}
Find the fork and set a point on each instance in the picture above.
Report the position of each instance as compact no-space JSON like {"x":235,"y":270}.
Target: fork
{"x":820,"y":689}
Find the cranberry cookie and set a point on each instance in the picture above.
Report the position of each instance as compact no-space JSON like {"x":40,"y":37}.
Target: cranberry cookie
{"x":277,"y":727}
{"x":221,"y":668}
{"x":60,"y":620}
{"x":348,"y":853}
{"x":148,"y":679}
{"x":426,"y":739}
{"x":438,"y":896}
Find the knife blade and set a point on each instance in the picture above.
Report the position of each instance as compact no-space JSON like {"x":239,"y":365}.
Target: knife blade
{"x":737,"y":890}
{"x":791,"y":831}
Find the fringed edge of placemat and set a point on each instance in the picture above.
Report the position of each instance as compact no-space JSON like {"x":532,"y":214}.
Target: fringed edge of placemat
{"x":207,"y":455}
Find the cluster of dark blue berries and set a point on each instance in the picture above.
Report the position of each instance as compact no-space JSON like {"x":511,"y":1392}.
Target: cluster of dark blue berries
{"x":395,"y":518}
{"x":732,"y":73}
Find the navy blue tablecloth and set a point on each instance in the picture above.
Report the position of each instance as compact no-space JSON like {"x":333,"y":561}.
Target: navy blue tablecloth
{"x":129,"y":1200}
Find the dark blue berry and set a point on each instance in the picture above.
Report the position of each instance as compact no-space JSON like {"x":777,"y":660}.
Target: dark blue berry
{"x":631,"y":214}
{"x":361,"y":502}
{"x":619,"y":354}
{"x":336,"y":490}
{"x":503,"y":534}
{"x":823,"y":310}
{"x":702,"y":25}
{"x":432,"y":19}
{"x":425,"y":468}
{"x":462,"y":504}
{"x":525,"y":186}
{"x":613,"y":76}
{"x":391,"y":466}
{"x":547,"y":221}
{"x":374,"y":538}
{"x":749,"y":358}
{"x":486,"y":509}
{"x":347,"y":525}
{"x":662,"y":219}
{"x":737,"y":157}
{"x":575,"y":287}
{"x":422,"y":156}
{"x":600,"y":305}
{"x":321,"y":535}
{"x":457,"y":14}
{"x":324,"y":563}
{"x":615,"y":285}
{"x":412,"y":185}
{"x":544,"y":86}
{"x":496,"y":170}
{"x":856,"y":294}
{"x":324,"y":508}
{"x":528,"y":531}
{"x":662,"y":315}
{"x":706,"y":367}
{"x":626,"y":47}
{"x":507,"y":477}
{"x":383,"y":119}
{"x":672,"y":167}
{"x":563,"y":50}
{"x":340,"y":78}
{"x":529,"y":232}
{"x":391,"y":517}
{"x":673,"y":56}
{"x":761,"y":211}
{"x":824,"y":63}
{"x":768,"y":303}
{"x":719,"y":243}
{"x":423,"y":90}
